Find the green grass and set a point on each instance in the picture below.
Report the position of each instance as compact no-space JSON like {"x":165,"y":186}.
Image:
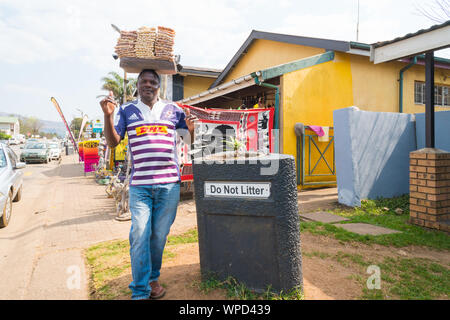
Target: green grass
{"x":374,"y":212}
{"x":110,"y":260}
{"x":237,"y":290}
{"x":411,"y":279}
{"x":401,"y":278}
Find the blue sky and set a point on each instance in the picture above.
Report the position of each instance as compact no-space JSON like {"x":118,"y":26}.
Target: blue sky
{"x":63,"y":48}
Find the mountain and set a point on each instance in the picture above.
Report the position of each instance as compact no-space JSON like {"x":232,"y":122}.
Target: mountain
{"x":48,"y":126}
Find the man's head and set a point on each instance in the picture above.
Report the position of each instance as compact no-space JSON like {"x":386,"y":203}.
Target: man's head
{"x":148,"y":83}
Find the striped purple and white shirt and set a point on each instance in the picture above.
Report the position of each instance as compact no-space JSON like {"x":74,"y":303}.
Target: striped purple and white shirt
{"x":151,"y":140}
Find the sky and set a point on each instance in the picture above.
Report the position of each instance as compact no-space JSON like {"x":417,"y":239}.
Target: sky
{"x":62,"y":49}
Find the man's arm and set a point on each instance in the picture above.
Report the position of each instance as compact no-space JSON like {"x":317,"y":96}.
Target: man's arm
{"x":108,"y":106}
{"x":111,"y":135}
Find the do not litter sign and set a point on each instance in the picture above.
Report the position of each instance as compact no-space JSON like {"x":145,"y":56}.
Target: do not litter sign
{"x":233,"y":189}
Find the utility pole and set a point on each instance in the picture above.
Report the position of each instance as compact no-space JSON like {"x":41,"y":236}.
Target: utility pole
{"x":357,"y":25}
{"x":125,"y":81}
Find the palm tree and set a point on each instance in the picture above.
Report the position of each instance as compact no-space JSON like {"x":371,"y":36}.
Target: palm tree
{"x":115,"y":83}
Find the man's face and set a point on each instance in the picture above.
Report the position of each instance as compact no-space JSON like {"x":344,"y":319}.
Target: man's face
{"x":148,"y":86}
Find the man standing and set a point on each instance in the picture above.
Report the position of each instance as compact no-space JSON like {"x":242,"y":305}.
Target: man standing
{"x":155,"y":176}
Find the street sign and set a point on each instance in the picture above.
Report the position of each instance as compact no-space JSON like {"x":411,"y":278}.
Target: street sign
{"x":237,"y":189}
{"x":98,"y":127}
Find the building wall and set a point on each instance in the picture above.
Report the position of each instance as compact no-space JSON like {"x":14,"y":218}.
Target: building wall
{"x":376,"y":86}
{"x":417,"y":73}
{"x":372,"y":154}
{"x":310,"y":95}
{"x":193,"y":85}
{"x":11,"y":129}
{"x":441,"y":130}
{"x":263,"y":54}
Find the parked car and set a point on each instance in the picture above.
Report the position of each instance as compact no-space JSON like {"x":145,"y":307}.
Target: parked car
{"x":11,"y":180}
{"x":55,"y":151}
{"x":35,"y":152}
{"x":13,"y":141}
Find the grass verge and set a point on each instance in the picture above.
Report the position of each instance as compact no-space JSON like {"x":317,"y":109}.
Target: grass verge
{"x":381,"y":213}
{"x":399,"y":278}
{"x":109,"y":261}
{"x":238,"y":291}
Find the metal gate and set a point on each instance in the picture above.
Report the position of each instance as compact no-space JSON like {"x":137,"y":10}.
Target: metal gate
{"x":315,"y":159}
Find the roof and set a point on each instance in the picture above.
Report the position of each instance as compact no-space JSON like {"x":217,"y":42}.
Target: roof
{"x":425,"y":40}
{"x":326,"y":44}
{"x":351,"y":47}
{"x":410,"y":35}
{"x":8,"y":119}
{"x":197,"y":71}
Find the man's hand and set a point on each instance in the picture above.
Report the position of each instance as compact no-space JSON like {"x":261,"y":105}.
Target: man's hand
{"x":190,"y":120}
{"x":108,"y":104}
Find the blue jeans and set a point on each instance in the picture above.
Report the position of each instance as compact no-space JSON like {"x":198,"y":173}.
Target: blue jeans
{"x":153,"y":210}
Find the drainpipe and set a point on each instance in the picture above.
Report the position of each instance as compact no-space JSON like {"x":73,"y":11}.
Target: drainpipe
{"x":400,"y":94}
{"x":277,"y":97}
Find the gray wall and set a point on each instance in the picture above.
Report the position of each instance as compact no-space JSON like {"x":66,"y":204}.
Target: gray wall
{"x":372,"y":154}
{"x":442,"y":130}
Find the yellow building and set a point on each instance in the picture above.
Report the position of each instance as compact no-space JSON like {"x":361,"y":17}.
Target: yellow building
{"x":305,"y":79}
{"x":190,"y":81}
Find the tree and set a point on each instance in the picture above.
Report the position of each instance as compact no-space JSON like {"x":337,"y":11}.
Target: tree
{"x":114,"y":83}
{"x":438,"y":12}
{"x":75,"y":126}
{"x":30,"y":124}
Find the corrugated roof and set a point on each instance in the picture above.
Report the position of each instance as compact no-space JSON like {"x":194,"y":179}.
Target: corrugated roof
{"x":209,"y":72}
{"x":8,"y":119}
{"x":410,"y":35}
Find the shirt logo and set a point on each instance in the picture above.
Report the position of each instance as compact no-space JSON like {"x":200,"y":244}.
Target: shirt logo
{"x":169,"y":113}
{"x":151,"y":130}
{"x":133,"y":117}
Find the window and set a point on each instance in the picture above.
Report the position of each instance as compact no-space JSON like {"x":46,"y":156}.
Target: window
{"x":12,"y":157}
{"x":441,"y":94}
{"x":2,"y":159}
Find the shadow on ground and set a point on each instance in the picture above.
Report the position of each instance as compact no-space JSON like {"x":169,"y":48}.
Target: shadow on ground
{"x":71,"y":170}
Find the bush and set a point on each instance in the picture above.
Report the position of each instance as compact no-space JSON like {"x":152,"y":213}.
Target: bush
{"x":4,"y":136}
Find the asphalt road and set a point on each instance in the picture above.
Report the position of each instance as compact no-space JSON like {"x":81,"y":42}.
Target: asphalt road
{"x":19,"y":241}
{"x":61,"y":213}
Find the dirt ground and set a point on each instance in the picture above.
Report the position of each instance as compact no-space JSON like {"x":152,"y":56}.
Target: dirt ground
{"x":324,"y":278}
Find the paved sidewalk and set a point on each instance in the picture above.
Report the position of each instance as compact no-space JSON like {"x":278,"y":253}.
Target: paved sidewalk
{"x":78,"y":214}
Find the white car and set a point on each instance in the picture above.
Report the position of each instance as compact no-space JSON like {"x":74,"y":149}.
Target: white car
{"x":11,"y":180}
{"x":13,"y":141}
{"x":55,"y":151}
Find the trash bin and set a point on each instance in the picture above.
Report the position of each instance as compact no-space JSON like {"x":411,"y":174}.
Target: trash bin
{"x":248,"y":223}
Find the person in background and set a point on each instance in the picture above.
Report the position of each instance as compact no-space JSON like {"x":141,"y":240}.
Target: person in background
{"x":154,"y":192}
{"x":259,"y":104}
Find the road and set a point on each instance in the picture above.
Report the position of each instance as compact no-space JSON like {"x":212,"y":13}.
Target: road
{"x":60,"y":214}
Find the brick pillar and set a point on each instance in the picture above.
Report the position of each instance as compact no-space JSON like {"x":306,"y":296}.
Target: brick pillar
{"x":429,"y":185}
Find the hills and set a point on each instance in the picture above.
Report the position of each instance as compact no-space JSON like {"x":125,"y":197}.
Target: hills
{"x":48,"y":126}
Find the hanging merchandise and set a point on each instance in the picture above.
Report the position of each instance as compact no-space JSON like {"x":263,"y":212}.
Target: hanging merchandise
{"x":90,"y":154}
{"x":252,"y":127}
